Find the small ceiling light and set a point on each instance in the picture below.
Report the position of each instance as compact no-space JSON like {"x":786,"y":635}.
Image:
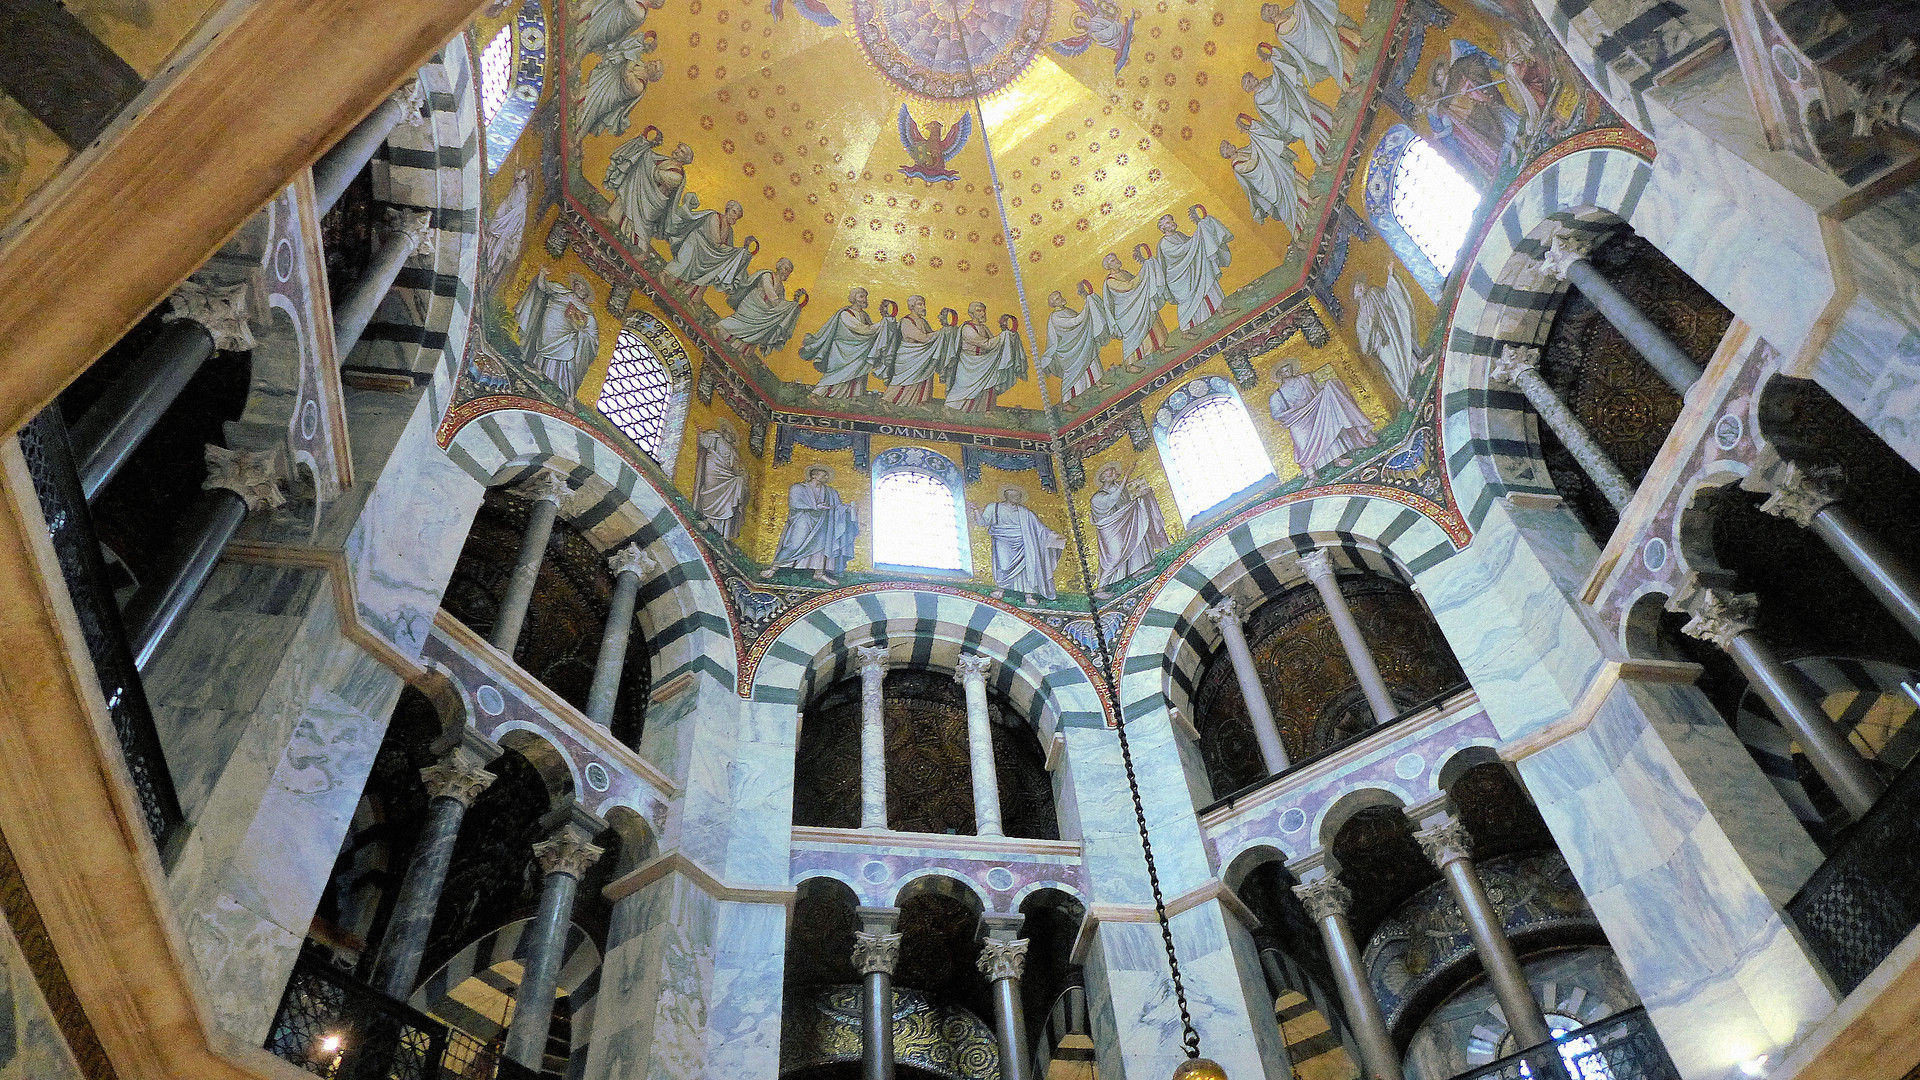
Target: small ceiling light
{"x":330,"y":1044}
{"x":1755,"y":1067}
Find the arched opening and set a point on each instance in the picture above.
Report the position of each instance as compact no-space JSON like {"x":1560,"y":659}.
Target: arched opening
{"x":919,"y":519}
{"x":1210,"y":448}
{"x":638,"y":393}
{"x":1421,"y":205}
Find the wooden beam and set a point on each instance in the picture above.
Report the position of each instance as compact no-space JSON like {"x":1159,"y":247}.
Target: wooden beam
{"x":262,"y":91}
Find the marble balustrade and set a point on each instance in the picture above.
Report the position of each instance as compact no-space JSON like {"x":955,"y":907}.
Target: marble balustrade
{"x":1002,"y":871}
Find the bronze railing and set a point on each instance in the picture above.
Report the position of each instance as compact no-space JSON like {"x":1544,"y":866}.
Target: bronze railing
{"x":1624,"y":1046}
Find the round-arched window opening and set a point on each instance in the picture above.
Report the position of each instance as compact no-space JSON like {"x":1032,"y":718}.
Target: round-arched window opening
{"x":1433,"y":203}
{"x":638,"y":392}
{"x":1213,"y":453}
{"x":496,"y":73}
{"x":918,"y":522}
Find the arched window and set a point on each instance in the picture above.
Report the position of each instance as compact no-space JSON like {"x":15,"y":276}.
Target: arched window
{"x":1209,"y":446}
{"x":1420,"y":204}
{"x":513,"y":68}
{"x":919,"y":512}
{"x":637,"y":395}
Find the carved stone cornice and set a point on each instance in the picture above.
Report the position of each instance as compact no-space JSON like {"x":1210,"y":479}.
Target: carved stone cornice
{"x":1718,"y":615}
{"x":1002,"y":959}
{"x":631,"y":560}
{"x":1563,"y":251}
{"x":220,"y":309}
{"x":254,"y":475}
{"x":972,"y":667}
{"x":875,"y":952}
{"x":454,"y":781}
{"x":1325,"y":897}
{"x":1515,"y":363}
{"x":1318,"y":566}
{"x":1446,"y":842}
{"x":545,"y":486}
{"x":1800,"y":494}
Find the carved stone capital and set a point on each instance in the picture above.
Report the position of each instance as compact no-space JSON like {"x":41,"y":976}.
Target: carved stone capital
{"x":1718,"y":615}
{"x":1324,"y":897}
{"x":1799,"y":494}
{"x":454,"y":781}
{"x":410,"y":228}
{"x":1224,"y":612}
{"x":871,"y":658}
{"x":1003,"y":959}
{"x":220,"y":309}
{"x":546,"y":486}
{"x":1563,"y":251}
{"x":1318,"y":566}
{"x":1515,"y":363}
{"x":567,"y":853}
{"x":412,"y":101}
{"x":875,"y":952}
{"x":1446,"y":842}
{"x":631,"y":560}
{"x":254,"y":475}
{"x":972,"y":667}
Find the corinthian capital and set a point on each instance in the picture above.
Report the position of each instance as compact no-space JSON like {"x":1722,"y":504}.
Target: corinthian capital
{"x":1446,"y":842}
{"x":410,"y":228}
{"x":1224,"y":612}
{"x":875,"y":952}
{"x":972,"y":667}
{"x":1324,"y":897}
{"x":1516,"y":362}
{"x":412,"y":101}
{"x":220,"y":309}
{"x":254,"y":475}
{"x":1318,"y":566}
{"x":456,"y":781}
{"x":1799,"y":494}
{"x":631,"y":560}
{"x":1718,"y":615}
{"x":871,"y":658}
{"x":1003,"y":959}
{"x":1563,"y":251}
{"x":546,"y":486}
{"x":567,"y":853}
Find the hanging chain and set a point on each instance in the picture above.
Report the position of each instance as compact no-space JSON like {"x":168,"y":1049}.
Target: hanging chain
{"x":1189,"y":1038}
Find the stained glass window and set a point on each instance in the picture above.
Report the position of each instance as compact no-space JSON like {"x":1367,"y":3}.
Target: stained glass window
{"x":496,"y":73}
{"x":637,"y":392}
{"x":916,"y":521}
{"x":1433,"y":203}
{"x":1212,"y":452}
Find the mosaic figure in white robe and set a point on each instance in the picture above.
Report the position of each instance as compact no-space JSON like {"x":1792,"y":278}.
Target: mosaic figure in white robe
{"x":763,"y":318}
{"x":558,"y":333}
{"x":820,"y":529}
{"x":610,"y":21}
{"x":1324,"y":41}
{"x":646,"y":187}
{"x":989,"y":364}
{"x":1133,"y":303}
{"x":923,"y":352}
{"x":1270,"y":180}
{"x":706,"y":255}
{"x":1025,"y":551}
{"x":1073,"y":342}
{"x":720,"y":482}
{"x":1193,"y":264}
{"x":507,"y":226}
{"x":1128,"y":524}
{"x":842,"y":350}
{"x":1282,"y":100}
{"x":615,"y":85}
{"x":1321,"y":418}
{"x":1385,"y":327}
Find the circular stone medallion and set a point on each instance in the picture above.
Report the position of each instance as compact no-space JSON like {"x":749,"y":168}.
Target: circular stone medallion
{"x":918,"y":46}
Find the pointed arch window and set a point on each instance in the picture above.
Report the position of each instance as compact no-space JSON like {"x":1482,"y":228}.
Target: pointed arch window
{"x":919,"y":512}
{"x":1209,"y":446}
{"x":1420,"y":204}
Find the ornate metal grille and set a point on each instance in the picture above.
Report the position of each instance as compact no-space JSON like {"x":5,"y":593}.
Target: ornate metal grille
{"x":637,"y":392}
{"x":1624,"y":1046}
{"x":1860,"y":903}
{"x":43,"y":441}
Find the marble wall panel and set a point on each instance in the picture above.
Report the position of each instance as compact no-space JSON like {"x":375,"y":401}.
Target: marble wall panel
{"x":877,"y":873}
{"x":31,"y":1046}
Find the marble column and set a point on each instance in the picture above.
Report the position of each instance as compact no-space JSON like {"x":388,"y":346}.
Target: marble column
{"x":337,"y":167}
{"x":873,"y":736}
{"x":876,"y":952}
{"x":1448,"y":845}
{"x":564,"y":858}
{"x":1810,"y":498}
{"x":629,"y":566}
{"x":201,"y":319}
{"x":1327,"y":901}
{"x":1726,"y":619}
{"x":1002,"y":960}
{"x":409,"y":232}
{"x":241,"y":481}
{"x":545,"y":489}
{"x":452,"y":783}
{"x":1273,"y":752}
{"x":1521,"y":367}
{"x":1566,"y":259}
{"x":1319,"y":570}
{"x":971,"y":671}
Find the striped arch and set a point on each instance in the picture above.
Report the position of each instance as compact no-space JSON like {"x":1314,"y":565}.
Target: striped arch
{"x":1490,"y":434}
{"x":680,"y":608}
{"x":1847,"y":690}
{"x":422,"y":324}
{"x":488,"y":971}
{"x":925,"y":628}
{"x":1162,"y":660}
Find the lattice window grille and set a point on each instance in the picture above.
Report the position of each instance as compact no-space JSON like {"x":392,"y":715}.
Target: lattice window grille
{"x":915,"y":522}
{"x":1433,"y":203}
{"x":496,"y":73}
{"x":1213,"y":453}
{"x":637,"y":393}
